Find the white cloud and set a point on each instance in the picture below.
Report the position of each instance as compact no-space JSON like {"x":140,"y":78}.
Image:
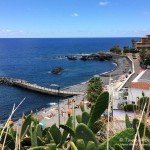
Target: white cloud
{"x":103,"y":3}
{"x":4,"y":32}
{"x":75,"y":15}
{"x":10,"y":31}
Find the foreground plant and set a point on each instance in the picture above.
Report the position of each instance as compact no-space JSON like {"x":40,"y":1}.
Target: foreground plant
{"x":31,"y":135}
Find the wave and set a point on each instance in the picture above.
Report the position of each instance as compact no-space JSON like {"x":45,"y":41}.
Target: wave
{"x":52,"y":104}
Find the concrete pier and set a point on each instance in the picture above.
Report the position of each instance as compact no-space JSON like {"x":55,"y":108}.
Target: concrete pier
{"x":36,"y":88}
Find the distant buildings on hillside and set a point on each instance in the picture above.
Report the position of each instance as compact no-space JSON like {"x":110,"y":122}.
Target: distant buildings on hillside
{"x":143,"y":43}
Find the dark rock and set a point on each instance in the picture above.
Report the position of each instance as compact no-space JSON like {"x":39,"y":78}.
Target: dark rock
{"x":57,"y":70}
{"x":96,"y":56}
{"x":101,"y":56}
{"x":72,"y":57}
{"x":84,"y":58}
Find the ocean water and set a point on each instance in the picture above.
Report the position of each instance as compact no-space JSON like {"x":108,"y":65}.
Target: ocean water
{"x":33,"y":59}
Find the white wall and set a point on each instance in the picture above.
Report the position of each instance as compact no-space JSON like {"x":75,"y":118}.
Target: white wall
{"x":134,"y":93}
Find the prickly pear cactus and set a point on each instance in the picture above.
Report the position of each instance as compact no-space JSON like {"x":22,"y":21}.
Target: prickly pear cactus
{"x":79,"y":118}
{"x":80,"y":144}
{"x":56,"y":134}
{"x":91,"y":146}
{"x":68,"y":130}
{"x":39,"y":148}
{"x":100,"y":106}
{"x":82,"y":106}
{"x":98,"y":126}
{"x":83,"y":132}
{"x":127,"y":121}
{"x":85,"y":117}
{"x":52,"y":146}
{"x":65,"y":133}
{"x":25,"y":125}
{"x":73,"y":147}
{"x":33,"y":138}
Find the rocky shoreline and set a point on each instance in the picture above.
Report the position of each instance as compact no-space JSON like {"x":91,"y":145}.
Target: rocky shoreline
{"x":99,"y":56}
{"x":123,"y":66}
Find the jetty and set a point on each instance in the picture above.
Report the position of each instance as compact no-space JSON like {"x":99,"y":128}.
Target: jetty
{"x":36,"y":88}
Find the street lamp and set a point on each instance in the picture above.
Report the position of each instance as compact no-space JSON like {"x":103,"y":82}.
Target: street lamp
{"x":58,"y":89}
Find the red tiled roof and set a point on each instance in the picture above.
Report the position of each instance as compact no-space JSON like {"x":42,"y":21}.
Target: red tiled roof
{"x":140,"y":85}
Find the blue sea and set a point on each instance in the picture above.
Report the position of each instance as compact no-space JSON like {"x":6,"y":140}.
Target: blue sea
{"x":33,"y":59}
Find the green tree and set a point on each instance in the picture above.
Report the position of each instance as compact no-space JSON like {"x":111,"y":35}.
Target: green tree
{"x":116,"y":49}
{"x":142,"y":54}
{"x":94,"y":89}
{"x":126,"y":49}
{"x":145,"y":57}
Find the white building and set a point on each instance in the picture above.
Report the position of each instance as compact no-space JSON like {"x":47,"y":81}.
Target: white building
{"x":140,"y":84}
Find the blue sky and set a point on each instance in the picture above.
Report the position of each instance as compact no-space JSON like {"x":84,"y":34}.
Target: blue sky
{"x":74,"y":18}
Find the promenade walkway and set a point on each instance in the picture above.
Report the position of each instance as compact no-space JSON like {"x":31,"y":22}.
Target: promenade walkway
{"x":137,"y":69}
{"x":37,"y":88}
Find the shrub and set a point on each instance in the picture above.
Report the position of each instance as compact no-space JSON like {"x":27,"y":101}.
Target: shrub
{"x":142,"y":101}
{"x":145,"y":58}
{"x":130,"y":107}
{"x":94,"y":89}
{"x":116,"y":49}
{"x":126,"y":49}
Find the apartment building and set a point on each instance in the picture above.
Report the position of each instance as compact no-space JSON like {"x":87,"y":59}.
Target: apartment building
{"x":143,"y":43}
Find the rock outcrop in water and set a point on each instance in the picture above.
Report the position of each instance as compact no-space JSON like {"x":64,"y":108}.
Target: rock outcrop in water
{"x":72,"y":57}
{"x":95,"y":57}
{"x":57,"y":70}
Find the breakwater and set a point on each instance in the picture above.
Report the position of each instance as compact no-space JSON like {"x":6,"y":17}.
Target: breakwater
{"x":36,"y":88}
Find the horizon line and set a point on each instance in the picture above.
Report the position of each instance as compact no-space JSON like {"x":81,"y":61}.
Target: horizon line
{"x":66,"y":37}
